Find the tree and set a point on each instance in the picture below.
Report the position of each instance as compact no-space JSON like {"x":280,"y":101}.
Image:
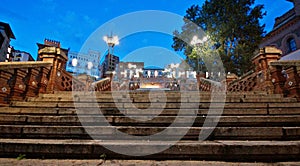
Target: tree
{"x":234,"y":27}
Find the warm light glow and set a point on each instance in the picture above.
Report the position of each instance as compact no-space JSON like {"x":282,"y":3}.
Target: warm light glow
{"x":90,"y":65}
{"x":196,"y":40}
{"x":151,"y":86}
{"x":105,"y":38}
{"x":111,"y":40}
{"x":74,"y":62}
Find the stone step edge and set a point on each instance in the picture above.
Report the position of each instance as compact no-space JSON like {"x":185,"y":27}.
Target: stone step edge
{"x":182,"y":150}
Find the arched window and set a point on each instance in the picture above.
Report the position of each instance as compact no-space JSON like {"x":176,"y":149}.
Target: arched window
{"x":292,"y":44}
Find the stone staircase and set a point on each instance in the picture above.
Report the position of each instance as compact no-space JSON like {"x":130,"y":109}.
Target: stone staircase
{"x":253,"y":126}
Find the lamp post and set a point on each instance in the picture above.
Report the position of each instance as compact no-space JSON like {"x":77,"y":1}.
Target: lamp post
{"x":197,"y":43}
{"x":74,"y":64}
{"x":111,"y":41}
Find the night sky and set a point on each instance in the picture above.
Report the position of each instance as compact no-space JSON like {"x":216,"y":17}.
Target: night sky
{"x":72,"y":22}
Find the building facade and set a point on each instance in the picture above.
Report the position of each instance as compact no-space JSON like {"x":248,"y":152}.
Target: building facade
{"x":80,"y":63}
{"x":127,"y":70}
{"x":285,"y":34}
{"x":109,"y":64}
{"x":21,"y":56}
{"x":5,"y":35}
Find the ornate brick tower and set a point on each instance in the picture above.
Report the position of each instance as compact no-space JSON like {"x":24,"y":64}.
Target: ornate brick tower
{"x":51,"y":51}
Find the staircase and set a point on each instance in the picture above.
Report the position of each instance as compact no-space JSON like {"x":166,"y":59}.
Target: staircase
{"x":253,"y":126}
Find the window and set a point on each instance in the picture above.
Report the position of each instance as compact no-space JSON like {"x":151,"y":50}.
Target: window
{"x":292,"y":44}
{"x":1,"y":39}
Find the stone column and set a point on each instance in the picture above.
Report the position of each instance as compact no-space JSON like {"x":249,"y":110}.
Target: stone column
{"x":17,"y":84}
{"x":292,"y":82}
{"x":199,"y":76}
{"x":277,"y":79}
{"x":58,"y":57}
{"x":32,"y":82}
{"x":5,"y":76}
{"x":43,"y":79}
{"x":262,"y":62}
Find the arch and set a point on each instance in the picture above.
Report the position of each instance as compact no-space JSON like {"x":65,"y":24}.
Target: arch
{"x":284,"y":43}
{"x":291,"y":44}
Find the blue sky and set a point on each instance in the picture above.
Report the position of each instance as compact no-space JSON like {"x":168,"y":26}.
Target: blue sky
{"x":72,"y":22}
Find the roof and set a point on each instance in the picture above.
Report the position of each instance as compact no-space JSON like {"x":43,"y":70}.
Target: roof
{"x":8,"y":30}
{"x":291,"y":56}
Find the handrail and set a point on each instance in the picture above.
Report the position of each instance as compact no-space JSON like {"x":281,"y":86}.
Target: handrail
{"x":23,"y":65}
{"x":102,"y":85}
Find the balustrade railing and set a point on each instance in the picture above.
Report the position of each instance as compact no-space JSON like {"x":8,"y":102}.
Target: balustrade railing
{"x":101,"y":85}
{"x":209,"y":85}
{"x":285,"y":77}
{"x":19,"y":80}
{"x":247,"y":82}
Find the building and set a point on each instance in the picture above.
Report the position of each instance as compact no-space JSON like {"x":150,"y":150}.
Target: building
{"x":109,"y":64}
{"x":5,"y":35}
{"x":53,"y":47}
{"x":153,"y":71}
{"x":21,"y":56}
{"x":285,"y":34}
{"x":80,"y":63}
{"x":127,"y":70}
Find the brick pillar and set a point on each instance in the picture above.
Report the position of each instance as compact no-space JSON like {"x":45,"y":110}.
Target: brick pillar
{"x":5,"y":76}
{"x":43,"y":79}
{"x":58,"y":57}
{"x":262,"y":62}
{"x":278,"y":79}
{"x":292,"y":82}
{"x":199,"y":76}
{"x":17,"y":84}
{"x":32,"y":82}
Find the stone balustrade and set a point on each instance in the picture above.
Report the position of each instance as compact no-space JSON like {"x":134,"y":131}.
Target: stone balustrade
{"x":209,"y":85}
{"x":19,"y":80}
{"x":247,"y":82}
{"x":101,"y":85}
{"x":285,"y":77}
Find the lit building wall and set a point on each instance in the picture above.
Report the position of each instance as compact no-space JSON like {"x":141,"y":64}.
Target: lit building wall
{"x":83,"y":61}
{"x":21,"y":56}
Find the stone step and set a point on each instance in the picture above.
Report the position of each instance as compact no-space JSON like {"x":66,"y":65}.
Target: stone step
{"x":158,"y":94}
{"x":105,"y":162}
{"x":274,"y":110}
{"x":146,"y":105}
{"x":162,"y":99}
{"x":261,"y":121}
{"x":270,"y":151}
{"x":170,"y":133}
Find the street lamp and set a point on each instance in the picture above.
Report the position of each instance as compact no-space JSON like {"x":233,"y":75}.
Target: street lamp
{"x":74,"y":64}
{"x":197,"y":42}
{"x":111,"y":41}
{"x":90,"y":65}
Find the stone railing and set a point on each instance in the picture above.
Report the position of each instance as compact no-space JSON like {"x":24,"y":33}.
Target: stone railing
{"x":209,"y":85}
{"x":285,"y":76}
{"x":101,"y":85}
{"x":66,"y":82}
{"x":19,"y":80}
{"x":247,"y":82}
